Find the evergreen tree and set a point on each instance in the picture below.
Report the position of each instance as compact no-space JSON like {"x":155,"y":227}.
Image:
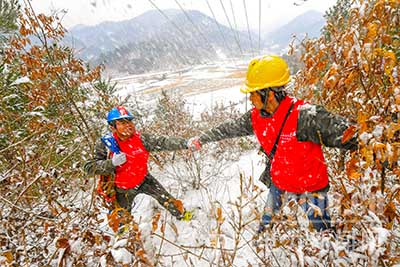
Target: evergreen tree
{"x":9,"y":11}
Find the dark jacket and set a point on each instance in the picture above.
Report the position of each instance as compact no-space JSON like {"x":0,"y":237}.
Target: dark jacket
{"x":315,"y":124}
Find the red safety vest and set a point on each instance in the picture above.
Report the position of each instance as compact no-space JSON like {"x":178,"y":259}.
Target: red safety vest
{"x":297,"y":167}
{"x":133,"y":171}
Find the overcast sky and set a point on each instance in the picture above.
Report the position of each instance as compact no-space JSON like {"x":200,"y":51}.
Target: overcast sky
{"x":274,"y":13}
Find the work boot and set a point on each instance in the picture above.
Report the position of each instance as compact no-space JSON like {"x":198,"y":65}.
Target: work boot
{"x":186,"y":216}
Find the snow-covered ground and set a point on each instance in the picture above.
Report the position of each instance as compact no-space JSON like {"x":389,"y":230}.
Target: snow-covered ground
{"x":202,"y":87}
{"x":227,"y":205}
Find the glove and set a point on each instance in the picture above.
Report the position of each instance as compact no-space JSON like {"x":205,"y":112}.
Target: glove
{"x":118,"y":159}
{"x":194,"y":143}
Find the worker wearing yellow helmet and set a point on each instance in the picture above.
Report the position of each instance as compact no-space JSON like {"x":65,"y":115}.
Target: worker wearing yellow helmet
{"x":266,"y":72}
{"x":290,"y":132}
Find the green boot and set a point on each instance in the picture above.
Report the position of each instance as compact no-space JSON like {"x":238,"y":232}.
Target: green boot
{"x":186,"y":216}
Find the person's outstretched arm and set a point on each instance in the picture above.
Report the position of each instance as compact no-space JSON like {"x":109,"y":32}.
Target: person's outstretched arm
{"x":163,"y":143}
{"x":317,"y":125}
{"x":229,"y":129}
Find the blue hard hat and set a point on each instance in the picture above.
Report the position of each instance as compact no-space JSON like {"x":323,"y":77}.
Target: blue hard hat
{"x":117,"y":113}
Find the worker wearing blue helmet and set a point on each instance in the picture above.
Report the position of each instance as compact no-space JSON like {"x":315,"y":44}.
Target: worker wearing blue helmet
{"x":124,"y":154}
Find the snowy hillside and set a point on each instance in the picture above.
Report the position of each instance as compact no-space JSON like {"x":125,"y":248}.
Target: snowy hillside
{"x":53,"y":106}
{"x":228,"y":203}
{"x":198,"y":241}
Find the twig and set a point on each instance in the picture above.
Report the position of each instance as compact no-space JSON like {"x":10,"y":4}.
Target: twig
{"x":21,"y":141}
{"x":4,"y":176}
{"x":28,"y":212}
{"x":37,"y":178}
{"x":161,"y":244}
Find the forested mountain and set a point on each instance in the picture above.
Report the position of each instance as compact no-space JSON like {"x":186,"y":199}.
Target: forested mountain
{"x":153,"y":42}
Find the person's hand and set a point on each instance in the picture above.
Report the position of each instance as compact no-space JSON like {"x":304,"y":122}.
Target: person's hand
{"x":194,"y":143}
{"x":118,"y":159}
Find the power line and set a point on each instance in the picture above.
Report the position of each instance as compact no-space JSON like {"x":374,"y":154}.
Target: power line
{"x":194,"y":25}
{"x":259,"y":27}
{"x":234,"y":20}
{"x":248,"y":28}
{"x":220,"y":31}
{"x":219,"y":27}
{"x":230,"y":25}
{"x":173,"y":23}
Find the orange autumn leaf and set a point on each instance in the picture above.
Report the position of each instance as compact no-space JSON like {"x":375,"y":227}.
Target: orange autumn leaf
{"x":154,"y":223}
{"x":395,"y":155}
{"x":392,"y":129}
{"x":390,"y":211}
{"x":349,"y":133}
{"x":372,"y":32}
{"x":379,"y":147}
{"x":62,"y":243}
{"x":114,"y":220}
{"x":351,"y":78}
{"x":351,"y":169}
{"x":386,"y":39}
{"x":330,"y":79}
{"x":140,"y":253}
{"x":135,"y":227}
{"x":8,"y":255}
{"x":362,"y":121}
{"x":220,"y":219}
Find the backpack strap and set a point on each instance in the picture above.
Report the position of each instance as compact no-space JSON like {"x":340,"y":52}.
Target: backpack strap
{"x":273,"y":150}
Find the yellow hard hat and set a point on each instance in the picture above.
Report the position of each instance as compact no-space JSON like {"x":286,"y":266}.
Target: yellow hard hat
{"x":267,"y":71}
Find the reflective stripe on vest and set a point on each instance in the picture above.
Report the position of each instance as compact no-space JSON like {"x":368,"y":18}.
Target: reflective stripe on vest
{"x":133,"y":171}
{"x":297,"y":167}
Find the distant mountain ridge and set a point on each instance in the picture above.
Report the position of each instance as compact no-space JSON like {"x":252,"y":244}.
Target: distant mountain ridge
{"x":307,"y":24}
{"x":151,"y":42}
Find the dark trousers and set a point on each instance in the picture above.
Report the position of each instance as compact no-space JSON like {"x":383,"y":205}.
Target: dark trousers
{"x":314,"y":205}
{"x":150,"y":186}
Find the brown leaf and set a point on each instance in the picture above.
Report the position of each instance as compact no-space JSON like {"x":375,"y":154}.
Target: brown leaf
{"x":349,"y":133}
{"x":220,"y":219}
{"x":372,"y":32}
{"x":62,"y":243}
{"x":8,"y":255}
{"x":362,"y":121}
{"x":351,"y":169}
{"x":114,"y":220}
{"x":390,"y":211}
{"x":154,"y":223}
{"x":393,"y":129}
{"x":140,"y":253}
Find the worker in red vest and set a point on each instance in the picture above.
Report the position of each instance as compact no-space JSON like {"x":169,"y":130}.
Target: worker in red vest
{"x":127,"y":163}
{"x":291,"y":133}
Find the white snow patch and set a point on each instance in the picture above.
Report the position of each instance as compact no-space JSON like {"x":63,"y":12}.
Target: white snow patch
{"x":311,"y":109}
{"x":21,"y":81}
{"x":378,"y":131}
{"x":122,"y":255}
